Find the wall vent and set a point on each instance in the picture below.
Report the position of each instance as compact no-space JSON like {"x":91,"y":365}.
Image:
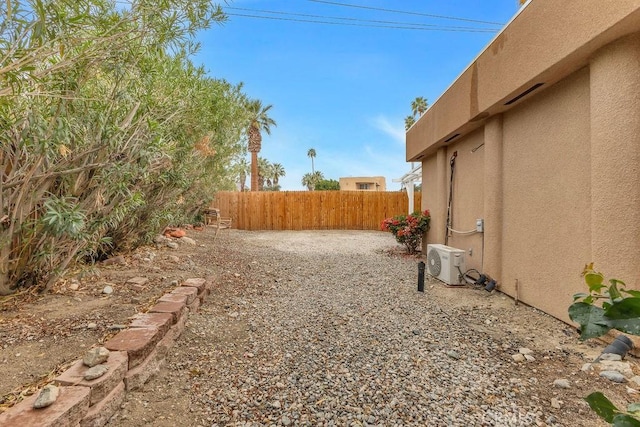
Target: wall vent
{"x":525,"y":93}
{"x":451,"y":138}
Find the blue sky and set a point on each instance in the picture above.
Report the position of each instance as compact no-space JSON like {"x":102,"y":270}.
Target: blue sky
{"x":345,"y":90}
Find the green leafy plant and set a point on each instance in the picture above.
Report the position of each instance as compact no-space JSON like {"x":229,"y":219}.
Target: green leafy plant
{"x":603,"y":308}
{"x":408,"y":229}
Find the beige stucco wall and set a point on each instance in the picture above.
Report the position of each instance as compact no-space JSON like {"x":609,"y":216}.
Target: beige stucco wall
{"x":468,"y":196}
{"x":376,"y":183}
{"x":557,"y":180}
{"x":546,"y":186}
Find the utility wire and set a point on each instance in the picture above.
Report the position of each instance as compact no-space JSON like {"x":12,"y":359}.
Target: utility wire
{"x":360,"y":20}
{"x":406,"y":12}
{"x":362,"y":25}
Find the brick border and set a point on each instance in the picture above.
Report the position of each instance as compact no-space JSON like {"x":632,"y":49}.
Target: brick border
{"x":137,"y":354}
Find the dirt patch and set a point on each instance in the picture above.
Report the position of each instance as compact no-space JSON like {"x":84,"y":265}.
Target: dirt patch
{"x":40,"y":335}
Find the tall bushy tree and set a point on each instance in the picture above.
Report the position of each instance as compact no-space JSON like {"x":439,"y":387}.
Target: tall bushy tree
{"x":108,"y":131}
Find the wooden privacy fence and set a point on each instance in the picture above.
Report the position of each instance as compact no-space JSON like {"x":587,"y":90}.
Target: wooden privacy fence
{"x":312,"y":210}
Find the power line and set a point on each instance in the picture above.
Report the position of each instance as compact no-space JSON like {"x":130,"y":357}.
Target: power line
{"x":406,"y":12}
{"x":398,"y":27}
{"x":362,"y":20}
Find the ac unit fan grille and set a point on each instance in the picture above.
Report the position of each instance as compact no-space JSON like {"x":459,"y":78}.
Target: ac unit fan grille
{"x":435,"y":264}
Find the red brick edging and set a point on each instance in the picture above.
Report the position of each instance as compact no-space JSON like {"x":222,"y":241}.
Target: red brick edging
{"x":136,"y":354}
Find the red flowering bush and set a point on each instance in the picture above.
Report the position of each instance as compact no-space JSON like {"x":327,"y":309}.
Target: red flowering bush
{"x":408,"y":229}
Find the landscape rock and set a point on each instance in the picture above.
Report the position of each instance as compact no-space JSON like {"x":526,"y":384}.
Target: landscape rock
{"x":613,"y":365}
{"x":561,"y":383}
{"x":160,"y":239}
{"x":107,"y":290}
{"x":524,"y":350}
{"x":95,"y":372}
{"x":172,"y":245}
{"x":555,"y":403}
{"x":610,"y":356}
{"x":95,"y":356}
{"x":614,"y":376}
{"x":188,"y":241}
{"x":47,"y":396}
{"x":518,"y":357}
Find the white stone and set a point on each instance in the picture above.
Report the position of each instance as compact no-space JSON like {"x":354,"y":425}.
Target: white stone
{"x":524,"y":350}
{"x":612,"y":365}
{"x":614,"y":376}
{"x":518,"y":357}
{"x":529,"y":357}
{"x":561,"y":383}
{"x":555,"y":403}
{"x":108,"y":290}
{"x":188,"y":240}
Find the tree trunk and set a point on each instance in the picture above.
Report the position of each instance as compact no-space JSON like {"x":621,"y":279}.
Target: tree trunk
{"x":254,"y":171}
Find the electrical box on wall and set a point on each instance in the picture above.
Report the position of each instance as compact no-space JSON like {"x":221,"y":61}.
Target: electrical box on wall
{"x":480,"y":225}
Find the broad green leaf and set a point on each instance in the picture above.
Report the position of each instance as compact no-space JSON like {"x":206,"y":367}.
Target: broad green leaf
{"x":591,"y":320}
{"x":625,"y":420}
{"x":632,"y":293}
{"x":602,"y":406}
{"x":594,"y":281}
{"x":633,"y":407}
{"x":627,"y":308}
{"x":624,"y":315}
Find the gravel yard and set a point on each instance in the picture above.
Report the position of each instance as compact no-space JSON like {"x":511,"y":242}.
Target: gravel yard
{"x":326,"y":328}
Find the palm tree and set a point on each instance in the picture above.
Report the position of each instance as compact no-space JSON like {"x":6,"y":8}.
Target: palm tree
{"x":310,"y":180}
{"x":419,"y":106}
{"x":278,"y":172}
{"x":244,"y":169}
{"x":264,"y":173}
{"x":311,"y":153}
{"x":259,"y":120}
{"x":408,"y":122}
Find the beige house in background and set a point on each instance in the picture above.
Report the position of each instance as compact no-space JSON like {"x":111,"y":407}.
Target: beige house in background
{"x":546,"y":127}
{"x":363,"y":183}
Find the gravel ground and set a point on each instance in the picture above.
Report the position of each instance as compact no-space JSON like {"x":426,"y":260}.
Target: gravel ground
{"x":327,"y":329}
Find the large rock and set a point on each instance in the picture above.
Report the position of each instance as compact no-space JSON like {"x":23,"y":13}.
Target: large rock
{"x":47,"y":396}
{"x":95,"y":356}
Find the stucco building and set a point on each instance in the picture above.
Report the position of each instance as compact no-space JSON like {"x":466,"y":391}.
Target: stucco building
{"x":545,"y":123}
{"x":363,"y":183}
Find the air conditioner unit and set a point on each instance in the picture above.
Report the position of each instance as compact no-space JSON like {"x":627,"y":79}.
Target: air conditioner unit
{"x":445,"y":263}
